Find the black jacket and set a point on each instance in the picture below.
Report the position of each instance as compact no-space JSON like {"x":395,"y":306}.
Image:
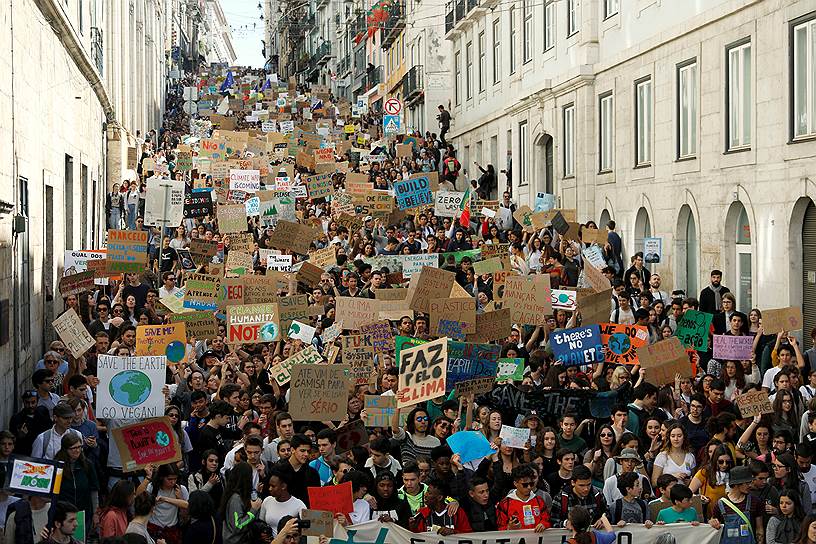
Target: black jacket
{"x":708,"y":302}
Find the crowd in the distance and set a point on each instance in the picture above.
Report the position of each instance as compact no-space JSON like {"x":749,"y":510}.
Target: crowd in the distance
{"x":666,"y":453}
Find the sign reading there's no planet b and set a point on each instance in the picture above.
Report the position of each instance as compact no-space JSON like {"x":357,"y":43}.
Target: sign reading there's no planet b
{"x":130,"y":387}
{"x":578,"y":346}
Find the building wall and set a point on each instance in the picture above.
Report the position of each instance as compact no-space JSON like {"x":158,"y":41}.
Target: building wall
{"x":770,"y":178}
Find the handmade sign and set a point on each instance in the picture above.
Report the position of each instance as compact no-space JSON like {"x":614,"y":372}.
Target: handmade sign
{"x":301,"y":331}
{"x":33,"y":476}
{"x":528,"y":299}
{"x":379,"y":410}
{"x":693,"y":329}
{"x":470,"y":445}
{"x":185,"y":259}
{"x":252,"y":323}
{"x":782,"y":319}
{"x":324,"y":258}
{"x":754,"y":403}
{"x":448,"y":204}
{"x":149,"y":442}
{"x":318,"y":392}
{"x":321,"y":523}
{"x":200,"y":248}
{"x":413,"y":193}
{"x":514,"y":437}
{"x":475,"y":387}
{"x":76,"y":283}
{"x":248,"y":181}
{"x":596,"y":307}
{"x":469,"y":361}
{"x":169,"y":340}
{"x":242,"y":241}
{"x":164,"y":203}
{"x":230,"y":292}
{"x":198,"y":204}
{"x":78,"y":261}
{"x":595,"y":277}
{"x":664,"y":360}
{"x":200,"y":325}
{"x":622,"y":341}
{"x":358,"y":353}
{"x":354,"y":312}
{"x":127,"y":251}
{"x":460,"y":310}
{"x":578,"y":346}
{"x":488,"y":266}
{"x":332,"y":498}
{"x":491,"y":326}
{"x":130,"y":387}
{"x":319,"y":186}
{"x":231,"y":218}
{"x":510,"y":369}
{"x":431,"y":284}
{"x":73,"y":333}
{"x":381,"y":336}
{"x":294,"y":236}
{"x":594,"y":236}
{"x":733,"y":348}
{"x":350,"y":436}
{"x":202,"y":292}
{"x":423,"y":372}
{"x":281,"y":372}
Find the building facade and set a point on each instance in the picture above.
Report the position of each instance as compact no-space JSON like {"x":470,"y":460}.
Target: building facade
{"x":216,"y":43}
{"x":691,"y":122}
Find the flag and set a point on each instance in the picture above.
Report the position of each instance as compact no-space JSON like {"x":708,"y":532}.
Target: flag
{"x":227,"y":82}
{"x":267,"y":85}
{"x":464,"y":219}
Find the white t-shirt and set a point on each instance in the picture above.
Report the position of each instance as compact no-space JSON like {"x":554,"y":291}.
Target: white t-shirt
{"x":164,"y":292}
{"x":166,"y":514}
{"x":361,"y":513}
{"x":668,"y":465}
{"x":272,"y":511}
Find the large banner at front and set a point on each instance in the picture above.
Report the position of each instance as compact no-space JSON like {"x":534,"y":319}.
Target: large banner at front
{"x":374,"y":532}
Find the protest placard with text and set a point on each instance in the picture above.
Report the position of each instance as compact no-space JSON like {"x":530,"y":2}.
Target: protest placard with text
{"x":319,"y":392}
{"x":664,"y":360}
{"x":127,"y":251}
{"x":733,"y":348}
{"x":169,"y":340}
{"x":73,"y":333}
{"x":528,"y":299}
{"x":622,"y":341}
{"x":423,"y":371}
{"x":754,"y":403}
{"x":149,"y":442}
{"x":693,"y":329}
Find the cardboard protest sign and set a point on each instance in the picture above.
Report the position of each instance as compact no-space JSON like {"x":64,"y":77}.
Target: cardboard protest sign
{"x":391,"y":294}
{"x":413,"y":264}
{"x":175,"y":302}
{"x":164,"y":203}
{"x":248,"y":181}
{"x":381,"y":336}
{"x":127,"y":251}
{"x":413,"y":193}
{"x":202,"y":292}
{"x":476,"y":386}
{"x":432,"y":283}
{"x":169,"y":340}
{"x":564,"y":299}
{"x":76,"y":283}
{"x":198,"y":204}
{"x":461,"y":310}
{"x":259,"y":289}
{"x":324,"y":258}
{"x":351,"y":435}
{"x":448,"y":204}
{"x":301,"y":331}
{"x":622,"y":341}
{"x":594,"y":236}
{"x":358,"y":353}
{"x":231,"y":292}
{"x":733,"y":348}
{"x":693,"y":329}
{"x":319,"y":186}
{"x":200,"y":248}
{"x":468,"y":361}
{"x":523,"y":215}
{"x":200,"y":325}
{"x":332,"y":498}
{"x":149,"y":442}
{"x":514,"y":437}
{"x":423,"y":372}
{"x":754,"y":403}
{"x":354,"y":312}
{"x":595,"y":308}
{"x":319,"y":392}
{"x":488,"y":266}
{"x":528,"y":298}
{"x":282,"y":372}
{"x":379,"y":410}
{"x":231,"y":218}
{"x":782,"y":319}
{"x":324,"y":155}
{"x":509,"y":369}
{"x":491,"y":326}
{"x":252,"y":323}
{"x":595,"y":277}
{"x":321,"y":523}
{"x":33,"y":476}
{"x":242,"y":241}
{"x":663,"y":360}
{"x":130,"y":387}
{"x":294,"y":236}
{"x":78,"y":261}
{"x":578,"y":346}
{"x":73,"y":333}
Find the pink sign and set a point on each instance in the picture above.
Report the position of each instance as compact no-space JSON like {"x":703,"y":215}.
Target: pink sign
{"x":733,"y":348}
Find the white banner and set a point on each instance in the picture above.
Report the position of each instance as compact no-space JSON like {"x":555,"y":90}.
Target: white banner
{"x":448,"y":204}
{"x":374,"y":532}
{"x":156,"y":206}
{"x":77,"y":261}
{"x":130,"y":387}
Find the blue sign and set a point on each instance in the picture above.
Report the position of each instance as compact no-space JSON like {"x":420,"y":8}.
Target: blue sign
{"x":470,"y":445}
{"x":392,"y":124}
{"x":468,"y":361}
{"x":578,"y":346}
{"x":412,"y":193}
{"x":544,"y":202}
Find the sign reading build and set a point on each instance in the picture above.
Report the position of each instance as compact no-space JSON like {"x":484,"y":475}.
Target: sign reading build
{"x":127,"y":251}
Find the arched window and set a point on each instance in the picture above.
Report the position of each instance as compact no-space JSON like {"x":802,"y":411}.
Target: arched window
{"x":605,"y":217}
{"x":687,"y":268}
{"x":743,"y":261}
{"x":643,"y":230}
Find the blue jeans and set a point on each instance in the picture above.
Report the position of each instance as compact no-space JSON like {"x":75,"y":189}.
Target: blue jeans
{"x":131,"y":219}
{"x":116,"y":218}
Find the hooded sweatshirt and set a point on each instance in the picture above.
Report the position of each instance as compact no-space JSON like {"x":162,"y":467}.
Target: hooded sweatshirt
{"x":529,"y":513}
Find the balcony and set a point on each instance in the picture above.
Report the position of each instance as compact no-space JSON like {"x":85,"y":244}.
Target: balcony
{"x":393,"y":25}
{"x":457,"y":11}
{"x":372,"y":78}
{"x":413,"y":85}
{"x":449,"y":17}
{"x":344,"y":66}
{"x":323,"y":54}
{"x":97,"y":52}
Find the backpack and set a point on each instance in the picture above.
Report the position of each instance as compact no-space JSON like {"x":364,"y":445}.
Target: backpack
{"x":619,"y":509}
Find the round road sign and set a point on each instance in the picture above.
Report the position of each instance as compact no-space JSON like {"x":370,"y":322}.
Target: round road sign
{"x":392,"y":106}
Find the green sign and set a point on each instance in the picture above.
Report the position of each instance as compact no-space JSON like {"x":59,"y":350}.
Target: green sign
{"x":693,"y":329}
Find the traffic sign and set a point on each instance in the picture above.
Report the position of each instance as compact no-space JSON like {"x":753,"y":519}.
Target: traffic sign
{"x":393,"y":106}
{"x":391,"y":124}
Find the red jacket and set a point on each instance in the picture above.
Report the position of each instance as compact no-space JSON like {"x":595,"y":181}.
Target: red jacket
{"x":459,"y":521}
{"x":511,"y":506}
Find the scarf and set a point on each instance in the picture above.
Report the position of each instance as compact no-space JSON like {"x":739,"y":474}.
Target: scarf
{"x":717,"y":297}
{"x":787,"y":530}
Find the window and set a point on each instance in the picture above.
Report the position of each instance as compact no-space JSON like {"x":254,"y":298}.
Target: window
{"x":572,"y":17}
{"x":611,"y":7}
{"x":605,"y":134}
{"x":549,"y":24}
{"x":512,"y":16}
{"x":457,"y":82}
{"x":69,"y":201}
{"x":527,"y":14}
{"x":739,"y":95}
{"x":569,"y":140}
{"x":81,"y":17}
{"x":804,"y":79}
{"x":523,"y":162}
{"x":469,"y":70}
{"x":24,"y":256}
{"x":643,"y":122}
{"x":496,"y":51}
{"x":482,"y":61}
{"x":687,"y":110}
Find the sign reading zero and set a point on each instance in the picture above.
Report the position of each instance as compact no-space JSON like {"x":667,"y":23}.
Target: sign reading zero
{"x":392,"y":106}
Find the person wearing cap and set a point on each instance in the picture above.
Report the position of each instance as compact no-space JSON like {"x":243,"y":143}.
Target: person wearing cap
{"x":738,"y":511}
{"x":48,"y":443}
{"x":390,"y":507}
{"x":628,"y":460}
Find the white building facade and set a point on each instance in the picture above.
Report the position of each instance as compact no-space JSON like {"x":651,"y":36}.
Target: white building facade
{"x":217,"y":36}
{"x":694,"y":122}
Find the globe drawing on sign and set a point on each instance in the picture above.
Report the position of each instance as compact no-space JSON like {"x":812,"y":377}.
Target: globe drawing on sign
{"x":162,"y":439}
{"x":175,"y":351}
{"x":619,"y":343}
{"x":130,"y":387}
{"x":269,"y":332}
{"x":563,"y":298}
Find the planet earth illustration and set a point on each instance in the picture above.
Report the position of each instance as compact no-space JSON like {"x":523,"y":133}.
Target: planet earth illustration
{"x":130,"y":387}
{"x":175,"y":351}
{"x":620,"y":343}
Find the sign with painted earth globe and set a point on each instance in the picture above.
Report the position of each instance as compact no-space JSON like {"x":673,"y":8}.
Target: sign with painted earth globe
{"x":130,"y":387}
{"x":620,"y":343}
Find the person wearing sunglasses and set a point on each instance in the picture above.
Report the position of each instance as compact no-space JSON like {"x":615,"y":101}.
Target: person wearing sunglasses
{"x":58,"y":349}
{"x":522,"y":509}
{"x":43,"y":381}
{"x":414,"y":438}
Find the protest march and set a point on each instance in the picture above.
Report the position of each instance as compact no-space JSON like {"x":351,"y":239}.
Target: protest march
{"x":300,"y":327}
